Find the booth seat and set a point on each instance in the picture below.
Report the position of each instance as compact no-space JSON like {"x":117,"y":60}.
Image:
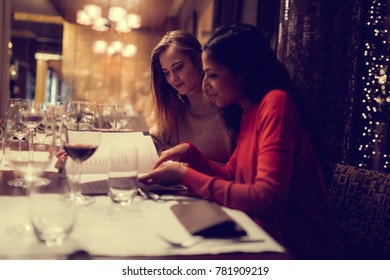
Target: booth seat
{"x":360,"y":199}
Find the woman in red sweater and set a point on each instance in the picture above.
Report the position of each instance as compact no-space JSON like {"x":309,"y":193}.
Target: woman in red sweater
{"x":274,"y":175}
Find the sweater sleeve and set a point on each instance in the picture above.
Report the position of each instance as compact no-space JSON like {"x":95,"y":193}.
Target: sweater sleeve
{"x":200,"y":163}
{"x":265,"y":194}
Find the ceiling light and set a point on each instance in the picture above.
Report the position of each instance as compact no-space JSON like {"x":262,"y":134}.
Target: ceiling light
{"x":117,"y":17}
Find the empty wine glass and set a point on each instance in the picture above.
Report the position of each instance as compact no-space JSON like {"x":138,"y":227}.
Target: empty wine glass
{"x":81,"y":140}
{"x":55,"y":112}
{"x":14,"y":128}
{"x":52,"y":216}
{"x":30,"y":161}
{"x":124,"y":118}
{"x":31,"y":118}
{"x":41,"y":133}
{"x":107,"y":114}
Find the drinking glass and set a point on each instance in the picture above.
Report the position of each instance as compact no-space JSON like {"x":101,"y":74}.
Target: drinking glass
{"x":122,"y":175}
{"x":15,"y":128}
{"x":107,"y":116}
{"x":80,"y":141}
{"x":30,"y":161}
{"x":52,"y":215}
{"x":124,"y":118}
{"x":41,"y":133}
{"x":55,"y":112}
{"x":31,"y":118}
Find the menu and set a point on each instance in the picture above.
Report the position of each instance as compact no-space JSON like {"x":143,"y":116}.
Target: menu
{"x":99,"y":162}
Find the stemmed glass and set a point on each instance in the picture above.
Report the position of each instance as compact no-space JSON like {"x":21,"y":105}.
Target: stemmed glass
{"x":31,"y":118}
{"x":107,"y":114}
{"x":124,"y":119}
{"x":30,"y":160}
{"x":15,"y":128}
{"x":55,"y":112}
{"x":81,"y":140}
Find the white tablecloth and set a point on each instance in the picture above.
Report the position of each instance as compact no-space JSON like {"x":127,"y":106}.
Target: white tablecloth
{"x":109,"y":230}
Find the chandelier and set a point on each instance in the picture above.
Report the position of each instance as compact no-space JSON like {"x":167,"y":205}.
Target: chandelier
{"x":117,"y":19}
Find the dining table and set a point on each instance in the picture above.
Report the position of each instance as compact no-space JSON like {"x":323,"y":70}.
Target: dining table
{"x":145,"y":229}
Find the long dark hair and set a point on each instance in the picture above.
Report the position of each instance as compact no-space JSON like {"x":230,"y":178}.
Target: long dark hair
{"x":244,"y":50}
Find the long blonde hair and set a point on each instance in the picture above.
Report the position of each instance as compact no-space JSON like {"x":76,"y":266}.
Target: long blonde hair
{"x":167,"y":105}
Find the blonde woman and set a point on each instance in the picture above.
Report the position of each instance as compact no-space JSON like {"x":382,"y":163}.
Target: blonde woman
{"x":180,"y":111}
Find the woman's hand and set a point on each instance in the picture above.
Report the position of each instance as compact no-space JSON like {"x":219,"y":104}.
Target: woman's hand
{"x":176,"y":153}
{"x":62,"y":156}
{"x":167,"y":173}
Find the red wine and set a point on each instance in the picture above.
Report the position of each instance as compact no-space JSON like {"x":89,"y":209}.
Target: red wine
{"x":32,"y":119}
{"x":80,"y":152}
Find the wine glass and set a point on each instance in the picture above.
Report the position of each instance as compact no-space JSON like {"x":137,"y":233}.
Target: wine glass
{"x":107,"y":114}
{"x":15,"y":128}
{"x":32,"y":118}
{"x":124,"y":119}
{"x":30,"y":161}
{"x":52,"y":216}
{"x":81,"y":140}
{"x":55,"y":112}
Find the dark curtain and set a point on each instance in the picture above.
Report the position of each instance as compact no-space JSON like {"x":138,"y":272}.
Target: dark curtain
{"x":338,"y":52}
{"x":319,"y":42}
{"x":226,"y":12}
{"x":268,"y":20}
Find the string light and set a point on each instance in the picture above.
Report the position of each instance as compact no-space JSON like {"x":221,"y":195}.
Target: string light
{"x":375,"y":112}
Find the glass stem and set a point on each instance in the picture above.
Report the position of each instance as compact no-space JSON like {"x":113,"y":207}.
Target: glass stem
{"x":31,"y":143}
{"x":78,"y":181}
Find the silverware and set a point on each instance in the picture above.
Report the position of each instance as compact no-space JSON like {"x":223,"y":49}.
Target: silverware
{"x":148,"y":195}
{"x":193,"y":240}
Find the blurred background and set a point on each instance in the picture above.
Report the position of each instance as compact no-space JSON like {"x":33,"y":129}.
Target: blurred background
{"x":337,"y":51}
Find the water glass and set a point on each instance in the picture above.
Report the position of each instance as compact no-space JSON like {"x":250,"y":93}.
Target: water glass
{"x":123,"y":175}
{"x":52,"y":216}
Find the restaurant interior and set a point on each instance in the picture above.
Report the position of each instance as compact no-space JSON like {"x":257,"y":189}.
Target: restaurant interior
{"x":336,"y":51}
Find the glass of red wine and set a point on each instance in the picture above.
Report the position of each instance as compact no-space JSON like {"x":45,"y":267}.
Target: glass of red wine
{"x":80,"y":141}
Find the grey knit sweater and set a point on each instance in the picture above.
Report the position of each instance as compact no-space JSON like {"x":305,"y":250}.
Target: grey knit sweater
{"x":201,"y":125}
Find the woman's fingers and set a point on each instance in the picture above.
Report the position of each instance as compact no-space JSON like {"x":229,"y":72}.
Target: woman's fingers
{"x":61,"y":161}
{"x":176,"y":154}
{"x":60,"y":153}
{"x":168,"y":173}
{"x":161,"y":160}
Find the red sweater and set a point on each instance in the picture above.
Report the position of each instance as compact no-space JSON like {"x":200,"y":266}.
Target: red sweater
{"x":275,"y":177}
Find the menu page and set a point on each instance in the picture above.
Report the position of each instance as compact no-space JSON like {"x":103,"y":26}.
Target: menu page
{"x":98,"y":163}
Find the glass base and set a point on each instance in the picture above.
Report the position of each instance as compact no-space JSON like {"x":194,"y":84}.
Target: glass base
{"x":80,"y":199}
{"x":17,"y":183}
{"x":53,"y":235}
{"x":21,"y":182}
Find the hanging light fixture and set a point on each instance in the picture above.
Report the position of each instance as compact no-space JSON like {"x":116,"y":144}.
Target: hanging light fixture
{"x":118,"y":19}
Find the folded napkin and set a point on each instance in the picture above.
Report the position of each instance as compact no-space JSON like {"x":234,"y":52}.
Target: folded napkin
{"x":206,"y":219}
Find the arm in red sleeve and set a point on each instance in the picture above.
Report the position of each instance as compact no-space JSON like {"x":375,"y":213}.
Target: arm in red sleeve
{"x":199,"y":162}
{"x":262,"y":168}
